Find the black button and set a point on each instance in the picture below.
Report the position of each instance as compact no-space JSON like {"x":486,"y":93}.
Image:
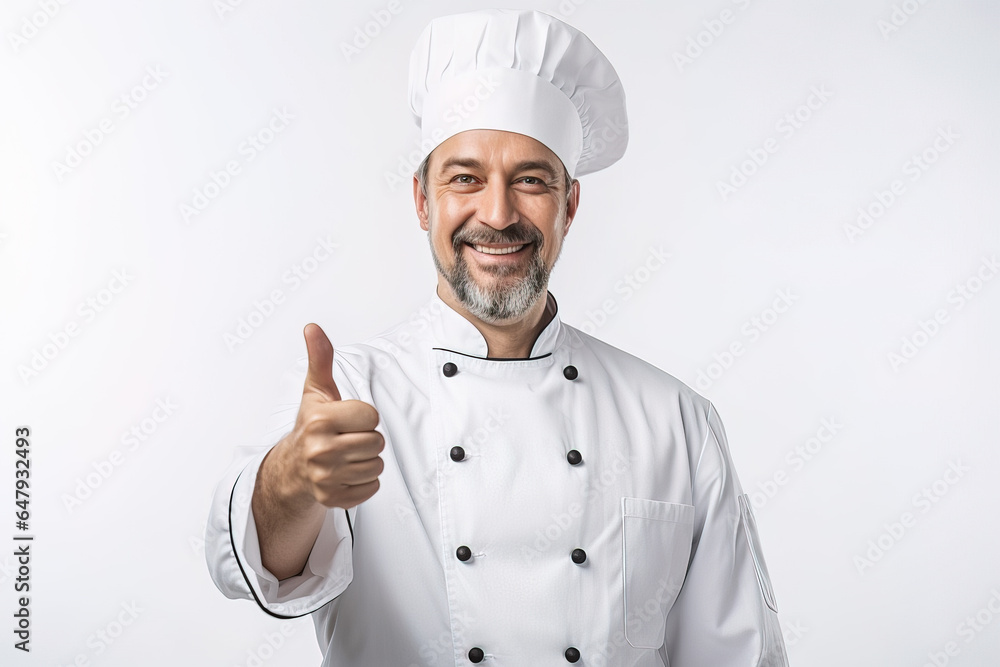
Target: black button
{"x":449,"y":369}
{"x":476,"y":654}
{"x":572,"y":654}
{"x":579,"y":556}
{"x":574,"y":457}
{"x":463,"y":553}
{"x":570,"y":373}
{"x":457,"y":453}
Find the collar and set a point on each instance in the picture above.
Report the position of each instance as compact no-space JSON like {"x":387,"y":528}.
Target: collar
{"x":453,"y":332}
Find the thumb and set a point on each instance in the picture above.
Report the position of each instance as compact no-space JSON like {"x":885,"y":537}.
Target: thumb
{"x":320,"y":374}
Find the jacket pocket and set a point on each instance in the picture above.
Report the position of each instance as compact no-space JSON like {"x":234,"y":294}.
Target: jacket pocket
{"x":656,"y":544}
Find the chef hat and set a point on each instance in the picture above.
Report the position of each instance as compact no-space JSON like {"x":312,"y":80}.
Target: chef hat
{"x":521,"y":71}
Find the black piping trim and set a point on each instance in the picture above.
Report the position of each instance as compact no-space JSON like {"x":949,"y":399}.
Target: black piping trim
{"x":555,"y":311}
{"x":232,"y":542}
{"x":444,"y":349}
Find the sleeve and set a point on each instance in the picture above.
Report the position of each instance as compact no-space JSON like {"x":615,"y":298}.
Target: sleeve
{"x":725,"y":614}
{"x":232,"y":550}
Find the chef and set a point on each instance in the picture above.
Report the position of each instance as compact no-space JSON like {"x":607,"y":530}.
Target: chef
{"x":484,"y":483}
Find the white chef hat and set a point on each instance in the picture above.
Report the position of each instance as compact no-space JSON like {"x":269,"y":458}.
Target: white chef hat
{"x":521,"y":71}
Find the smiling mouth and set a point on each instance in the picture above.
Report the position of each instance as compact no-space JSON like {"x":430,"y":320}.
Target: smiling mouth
{"x":497,"y":249}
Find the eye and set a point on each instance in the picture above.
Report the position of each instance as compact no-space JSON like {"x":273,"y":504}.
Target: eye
{"x":533,"y":184}
{"x":464,"y":179}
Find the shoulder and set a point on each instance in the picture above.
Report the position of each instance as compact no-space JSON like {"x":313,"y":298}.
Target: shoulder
{"x":398,"y":347}
{"x":639,"y":376}
{"x":619,"y":361}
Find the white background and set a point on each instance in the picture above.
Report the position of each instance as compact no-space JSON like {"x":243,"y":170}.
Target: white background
{"x":889,"y":91}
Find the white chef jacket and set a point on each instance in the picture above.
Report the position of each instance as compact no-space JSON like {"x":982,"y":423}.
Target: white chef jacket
{"x":593,"y":494}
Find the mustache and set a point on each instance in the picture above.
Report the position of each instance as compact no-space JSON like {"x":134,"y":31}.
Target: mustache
{"x":516,"y":233}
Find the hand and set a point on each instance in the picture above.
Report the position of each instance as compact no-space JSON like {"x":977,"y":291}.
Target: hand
{"x":332,"y":455}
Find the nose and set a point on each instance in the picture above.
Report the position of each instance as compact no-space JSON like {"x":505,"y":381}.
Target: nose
{"x":496,"y":206}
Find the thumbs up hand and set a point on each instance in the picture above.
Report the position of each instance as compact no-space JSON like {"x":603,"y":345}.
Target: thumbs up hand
{"x":332,"y":454}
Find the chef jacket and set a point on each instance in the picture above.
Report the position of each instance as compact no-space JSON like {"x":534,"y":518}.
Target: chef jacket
{"x":578,"y":505}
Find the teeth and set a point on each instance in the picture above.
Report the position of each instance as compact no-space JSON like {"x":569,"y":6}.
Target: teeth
{"x":498,"y":251}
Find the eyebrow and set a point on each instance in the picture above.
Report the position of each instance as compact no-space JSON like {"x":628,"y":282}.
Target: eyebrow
{"x":472,"y":163}
{"x":536,"y":164}
{"x":462,"y":162}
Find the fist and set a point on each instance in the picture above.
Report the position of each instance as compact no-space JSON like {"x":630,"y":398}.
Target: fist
{"x":333,"y":451}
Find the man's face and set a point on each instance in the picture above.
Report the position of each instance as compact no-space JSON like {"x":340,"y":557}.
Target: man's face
{"x":496,"y":211}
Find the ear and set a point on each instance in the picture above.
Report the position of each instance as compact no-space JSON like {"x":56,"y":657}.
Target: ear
{"x":571,"y":205}
{"x":420,"y":202}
